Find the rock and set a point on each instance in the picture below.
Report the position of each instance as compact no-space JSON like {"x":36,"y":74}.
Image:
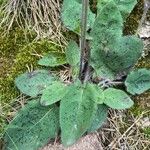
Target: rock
{"x":88,"y":142}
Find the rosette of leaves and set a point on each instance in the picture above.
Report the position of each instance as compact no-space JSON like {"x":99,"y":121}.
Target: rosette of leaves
{"x":79,"y":107}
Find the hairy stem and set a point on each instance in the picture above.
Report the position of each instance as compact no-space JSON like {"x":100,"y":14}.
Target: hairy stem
{"x":85,"y":4}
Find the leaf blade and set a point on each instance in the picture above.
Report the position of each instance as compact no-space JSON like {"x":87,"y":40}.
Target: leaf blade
{"x":99,"y":118}
{"x":107,"y":30}
{"x":30,"y":129}
{"x":52,"y":60}
{"x":138,"y":81}
{"x":125,"y":6}
{"x":71,"y":15}
{"x":33,"y":83}
{"x":53,"y":93}
{"x":73,"y":53}
{"x":76,"y":111}
{"x":117,"y":99}
{"x":112,"y":53}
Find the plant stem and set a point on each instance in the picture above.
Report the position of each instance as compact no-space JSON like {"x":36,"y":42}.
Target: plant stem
{"x":85,"y":4}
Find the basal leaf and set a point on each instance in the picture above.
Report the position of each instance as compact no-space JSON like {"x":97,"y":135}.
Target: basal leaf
{"x":138,"y":81}
{"x":53,"y":93}
{"x":75,"y":72}
{"x":73,"y":53}
{"x":52,"y":60}
{"x":71,"y":15}
{"x":124,"y":6}
{"x":111,"y":52}
{"x":73,"y":58}
{"x":33,"y":83}
{"x":97,"y":93}
{"x":33,"y":127}
{"x":107,"y":31}
{"x":117,"y":99}
{"x":125,"y":53}
{"x":99,"y":117}
{"x":76,"y":112}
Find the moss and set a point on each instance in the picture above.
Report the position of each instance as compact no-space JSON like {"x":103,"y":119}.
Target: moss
{"x":144,"y":62}
{"x":146,"y":131}
{"x":133,"y":20}
{"x":18,"y":52}
{"x":136,"y":110}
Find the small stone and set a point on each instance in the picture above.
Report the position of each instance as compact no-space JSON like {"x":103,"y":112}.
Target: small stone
{"x":88,"y":142}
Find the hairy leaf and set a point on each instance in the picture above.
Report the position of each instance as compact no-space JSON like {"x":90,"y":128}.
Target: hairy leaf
{"x":111,"y":52}
{"x":99,"y":117}
{"x":107,"y":30}
{"x":71,"y":15}
{"x":53,"y":93}
{"x":33,"y":83}
{"x":124,"y":6}
{"x":75,"y":72}
{"x":126,"y":53}
{"x":33,"y":127}
{"x":73,"y":53}
{"x":76,"y":112}
{"x":97,"y":93}
{"x":73,"y":58}
{"x":52,"y":60}
{"x":117,"y":99}
{"x":138,"y":81}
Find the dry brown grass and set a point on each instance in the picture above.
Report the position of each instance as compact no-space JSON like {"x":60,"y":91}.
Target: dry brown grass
{"x":40,"y":16}
{"x":123,"y":131}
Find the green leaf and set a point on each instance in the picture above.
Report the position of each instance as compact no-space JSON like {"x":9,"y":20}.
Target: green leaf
{"x":75,"y":72}
{"x":124,"y":6}
{"x":117,"y":99}
{"x":52,"y":60}
{"x":125,"y":53}
{"x":71,"y":15}
{"x":33,"y":127}
{"x":98,"y":118}
{"x":33,"y":83}
{"x":138,"y":81}
{"x":111,"y":52}
{"x":107,"y":30}
{"x":76,"y":112}
{"x":73,"y":53}
{"x":73,"y":57}
{"x":53,"y":93}
{"x":97,"y":94}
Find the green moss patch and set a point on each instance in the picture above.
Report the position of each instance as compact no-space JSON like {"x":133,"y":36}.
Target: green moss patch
{"x":133,"y":20}
{"x":147,"y":132}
